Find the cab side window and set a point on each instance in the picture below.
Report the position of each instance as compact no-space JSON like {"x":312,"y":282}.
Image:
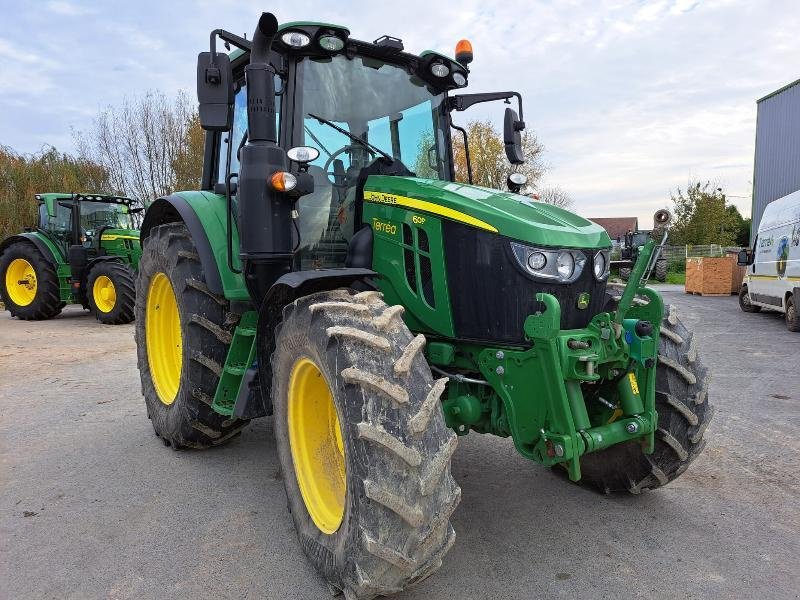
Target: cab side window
{"x":236,"y":135}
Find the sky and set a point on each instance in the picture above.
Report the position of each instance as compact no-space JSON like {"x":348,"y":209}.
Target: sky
{"x":631,"y":99}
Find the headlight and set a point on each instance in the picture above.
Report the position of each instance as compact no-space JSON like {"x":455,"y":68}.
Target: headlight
{"x":440,"y":70}
{"x":560,"y":266}
{"x":459,"y":79}
{"x":331,"y":43}
{"x":565,"y":264}
{"x":295,"y":39}
{"x":601,"y":265}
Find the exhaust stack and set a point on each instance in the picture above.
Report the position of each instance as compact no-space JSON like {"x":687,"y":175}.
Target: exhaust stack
{"x":265,"y":230}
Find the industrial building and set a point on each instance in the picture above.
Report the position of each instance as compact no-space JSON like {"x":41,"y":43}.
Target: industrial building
{"x":777,"y":161}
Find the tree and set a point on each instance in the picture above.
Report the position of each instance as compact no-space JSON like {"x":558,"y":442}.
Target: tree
{"x":22,"y":176}
{"x":555,"y":196}
{"x":702,"y":216}
{"x":490,"y":167}
{"x":150,"y":146}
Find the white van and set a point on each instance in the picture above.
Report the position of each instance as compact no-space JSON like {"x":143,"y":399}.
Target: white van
{"x":772,"y":281}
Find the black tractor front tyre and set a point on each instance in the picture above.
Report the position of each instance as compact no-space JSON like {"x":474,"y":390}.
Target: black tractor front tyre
{"x":371,"y":502}
{"x":683,"y":416}
{"x":183,"y":332}
{"x":111,"y":292}
{"x":29,"y":284}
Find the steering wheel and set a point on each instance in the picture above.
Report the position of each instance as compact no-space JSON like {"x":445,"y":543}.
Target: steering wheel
{"x":349,"y":148}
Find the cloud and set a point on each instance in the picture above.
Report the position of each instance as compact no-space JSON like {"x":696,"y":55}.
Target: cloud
{"x":630,"y":97}
{"x":67,"y":9}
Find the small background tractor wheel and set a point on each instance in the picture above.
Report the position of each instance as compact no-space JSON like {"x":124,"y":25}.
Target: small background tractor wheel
{"x":362,"y":442}
{"x":660,"y":270}
{"x":792,"y":315}
{"x":110,"y":289}
{"x":624,"y":273}
{"x":683,"y":415}
{"x":28,"y":283}
{"x":183,"y":332}
{"x":744,"y":301}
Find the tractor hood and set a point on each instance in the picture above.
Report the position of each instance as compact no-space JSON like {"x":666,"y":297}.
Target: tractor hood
{"x":511,"y":215}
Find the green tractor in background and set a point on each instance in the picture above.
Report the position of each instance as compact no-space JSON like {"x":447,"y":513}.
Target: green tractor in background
{"x":85,"y":250}
{"x":634,"y":242}
{"x":330,"y":272}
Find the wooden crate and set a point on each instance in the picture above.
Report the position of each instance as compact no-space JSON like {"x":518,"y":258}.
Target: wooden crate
{"x":713,"y":276}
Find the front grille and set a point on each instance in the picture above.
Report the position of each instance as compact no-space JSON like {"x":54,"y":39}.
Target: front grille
{"x":490,"y":294}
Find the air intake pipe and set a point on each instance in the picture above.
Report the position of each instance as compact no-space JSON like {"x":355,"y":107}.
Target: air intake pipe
{"x":265,"y":230}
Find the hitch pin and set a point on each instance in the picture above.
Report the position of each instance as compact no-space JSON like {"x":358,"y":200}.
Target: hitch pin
{"x":605,"y":402}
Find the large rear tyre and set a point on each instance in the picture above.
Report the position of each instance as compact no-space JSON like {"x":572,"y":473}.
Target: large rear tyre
{"x":363,"y":446}
{"x":683,"y":415}
{"x":28,"y":283}
{"x":111,"y":292}
{"x":624,"y":273}
{"x":183,"y":332}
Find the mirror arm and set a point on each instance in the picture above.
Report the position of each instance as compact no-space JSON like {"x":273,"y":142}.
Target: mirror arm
{"x":466,"y":147}
{"x":461,"y":102}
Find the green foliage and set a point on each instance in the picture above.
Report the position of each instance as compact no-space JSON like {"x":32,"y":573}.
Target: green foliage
{"x":490,"y":167}
{"x":702,"y":216}
{"x":23,"y":176}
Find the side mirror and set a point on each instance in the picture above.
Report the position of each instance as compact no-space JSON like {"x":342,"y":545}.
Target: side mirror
{"x":512,"y":138}
{"x":744,"y":258}
{"x":215,"y":91}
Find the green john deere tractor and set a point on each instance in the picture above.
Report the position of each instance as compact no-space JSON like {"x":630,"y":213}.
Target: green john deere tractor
{"x":85,"y":250}
{"x":332,"y":274}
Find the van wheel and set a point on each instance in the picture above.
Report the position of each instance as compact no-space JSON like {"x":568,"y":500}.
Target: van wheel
{"x":792,"y":316}
{"x":744,"y":301}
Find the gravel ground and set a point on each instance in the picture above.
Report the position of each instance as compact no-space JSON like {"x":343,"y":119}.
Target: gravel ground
{"x":92,"y":505}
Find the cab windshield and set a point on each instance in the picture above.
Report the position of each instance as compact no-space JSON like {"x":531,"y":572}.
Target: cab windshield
{"x":105,"y":214}
{"x":378,"y":102}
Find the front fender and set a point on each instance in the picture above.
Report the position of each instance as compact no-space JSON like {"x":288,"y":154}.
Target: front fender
{"x":204,"y":214}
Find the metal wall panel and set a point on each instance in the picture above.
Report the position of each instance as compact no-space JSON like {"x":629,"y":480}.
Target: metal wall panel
{"x":777,"y":163}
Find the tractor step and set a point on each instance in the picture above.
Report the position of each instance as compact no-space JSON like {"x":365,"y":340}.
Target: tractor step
{"x":241,"y":355}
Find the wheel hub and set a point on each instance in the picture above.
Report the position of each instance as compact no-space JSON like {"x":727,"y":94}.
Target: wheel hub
{"x":105,"y":294}
{"x":21,"y":282}
{"x":164,"y":338}
{"x":317,"y":445}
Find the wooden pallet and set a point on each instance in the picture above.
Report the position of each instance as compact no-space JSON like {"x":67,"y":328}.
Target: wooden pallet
{"x":713,"y":276}
{"x":707,"y":294}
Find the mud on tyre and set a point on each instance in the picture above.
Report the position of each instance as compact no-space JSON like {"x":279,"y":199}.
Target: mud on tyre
{"x":388,"y":525}
{"x":183,"y":332}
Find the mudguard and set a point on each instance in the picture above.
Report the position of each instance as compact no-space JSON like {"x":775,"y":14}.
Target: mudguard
{"x":49,"y":250}
{"x":204,"y":214}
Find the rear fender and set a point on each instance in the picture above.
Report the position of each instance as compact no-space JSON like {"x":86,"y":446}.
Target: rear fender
{"x":49,"y":250}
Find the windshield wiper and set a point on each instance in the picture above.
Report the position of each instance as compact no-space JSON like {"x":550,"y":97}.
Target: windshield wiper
{"x":356,"y":139}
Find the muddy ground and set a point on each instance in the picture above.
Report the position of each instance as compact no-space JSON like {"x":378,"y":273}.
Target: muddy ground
{"x":92,"y":505}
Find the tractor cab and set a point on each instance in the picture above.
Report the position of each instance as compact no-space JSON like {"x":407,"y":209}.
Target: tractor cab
{"x":87,"y":226}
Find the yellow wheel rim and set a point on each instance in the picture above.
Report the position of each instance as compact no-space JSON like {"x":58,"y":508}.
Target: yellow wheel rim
{"x":162,"y":327}
{"x":104,"y":293}
{"x":21,"y":282}
{"x":315,"y":437}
